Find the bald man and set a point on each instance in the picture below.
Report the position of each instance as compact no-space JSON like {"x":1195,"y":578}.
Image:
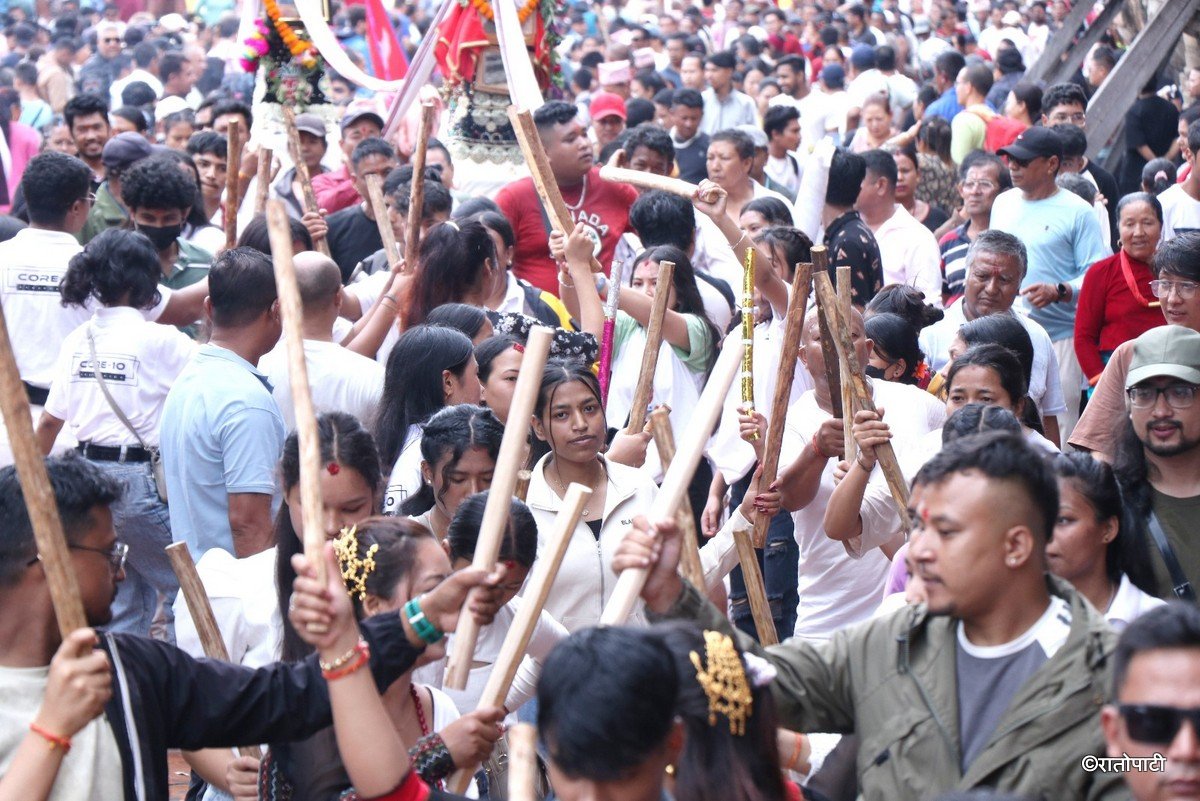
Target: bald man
{"x":341,"y":380}
{"x":836,"y":589}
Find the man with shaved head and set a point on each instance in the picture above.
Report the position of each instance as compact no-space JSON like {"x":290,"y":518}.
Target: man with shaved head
{"x":341,"y":380}
{"x":835,"y":588}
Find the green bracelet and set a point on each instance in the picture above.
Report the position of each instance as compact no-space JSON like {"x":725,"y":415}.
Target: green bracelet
{"x":421,"y":625}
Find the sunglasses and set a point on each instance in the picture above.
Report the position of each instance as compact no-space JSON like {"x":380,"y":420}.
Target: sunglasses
{"x":1157,"y":725}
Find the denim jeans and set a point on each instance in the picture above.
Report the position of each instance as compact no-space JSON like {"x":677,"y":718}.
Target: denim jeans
{"x":778,"y":563}
{"x":142,"y":522}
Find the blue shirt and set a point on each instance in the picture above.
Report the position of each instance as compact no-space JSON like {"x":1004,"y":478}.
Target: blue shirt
{"x":1062,"y":236}
{"x":221,"y":433}
{"x":945,"y":106}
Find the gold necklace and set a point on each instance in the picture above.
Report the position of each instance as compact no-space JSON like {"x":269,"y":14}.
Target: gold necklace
{"x":562,"y":491}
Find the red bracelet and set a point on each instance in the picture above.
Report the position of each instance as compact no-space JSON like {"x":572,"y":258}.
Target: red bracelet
{"x":817,"y":449}
{"x":54,"y":740}
{"x":364,"y":656}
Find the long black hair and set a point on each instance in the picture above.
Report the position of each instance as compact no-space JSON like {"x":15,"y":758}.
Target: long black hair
{"x":394,"y":559}
{"x":343,"y":441}
{"x":520,"y":531}
{"x":1128,"y":553}
{"x":716,"y":764}
{"x":459,"y":316}
{"x":895,"y":339}
{"x":1007,"y":331}
{"x":412,"y":383}
{"x":453,"y":430}
{"x":487,"y":351}
{"x":559,"y":371}
{"x":451,"y":263}
{"x":687,"y":294}
{"x":115,"y":264}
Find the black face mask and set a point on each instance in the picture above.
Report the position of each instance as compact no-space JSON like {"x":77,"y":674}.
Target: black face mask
{"x":161,"y":236}
{"x":875,"y":372}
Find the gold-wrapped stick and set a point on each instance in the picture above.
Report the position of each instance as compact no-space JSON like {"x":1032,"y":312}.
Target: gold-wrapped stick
{"x":748,"y":334}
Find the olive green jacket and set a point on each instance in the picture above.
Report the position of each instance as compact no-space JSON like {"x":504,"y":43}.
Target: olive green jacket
{"x":892,"y":681}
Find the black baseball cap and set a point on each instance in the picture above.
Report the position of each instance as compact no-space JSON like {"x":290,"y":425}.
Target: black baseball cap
{"x":1034,"y":143}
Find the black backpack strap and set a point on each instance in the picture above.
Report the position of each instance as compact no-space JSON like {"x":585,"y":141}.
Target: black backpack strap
{"x":1179,"y":580}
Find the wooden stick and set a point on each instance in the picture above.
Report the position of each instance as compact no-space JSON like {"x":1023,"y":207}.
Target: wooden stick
{"x":293,"y":140}
{"x":504,"y":481}
{"x":645,"y":385}
{"x":38,"y":493}
{"x":522,"y":488}
{"x":232,"y":185}
{"x":784,"y":377}
{"x":522,"y":763}
{"x":828,"y":349}
{"x":416,"y":194}
{"x":675,"y":482}
{"x":664,"y":440}
{"x":844,"y":294}
{"x":383,"y":222}
{"x":649,"y":180}
{"x":557,"y":212}
{"x":263,"y":189}
{"x":291,"y":317}
{"x":827,"y":305}
{"x":533,"y":600}
{"x":756,"y":591}
{"x":202,"y":614}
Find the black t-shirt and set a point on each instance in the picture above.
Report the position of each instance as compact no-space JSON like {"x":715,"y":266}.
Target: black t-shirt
{"x":352,"y":238}
{"x":936,"y":217}
{"x":1106,"y":182}
{"x":1150,"y":121}
{"x":693,"y":159}
{"x":851,"y":242}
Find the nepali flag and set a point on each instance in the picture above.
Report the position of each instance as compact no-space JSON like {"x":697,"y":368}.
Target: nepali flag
{"x":388,"y":61}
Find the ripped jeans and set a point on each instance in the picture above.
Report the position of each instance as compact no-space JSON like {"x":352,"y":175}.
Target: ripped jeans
{"x":778,"y":563}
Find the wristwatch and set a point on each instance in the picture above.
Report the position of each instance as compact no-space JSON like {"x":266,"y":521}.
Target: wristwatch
{"x":1062,"y":292}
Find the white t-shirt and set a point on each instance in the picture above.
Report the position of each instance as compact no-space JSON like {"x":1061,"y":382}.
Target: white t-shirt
{"x":785,"y":172}
{"x":367,"y":292}
{"x":909,"y":254}
{"x":139,"y":361}
{"x":90,"y":770}
{"x":33,"y":264}
{"x":405,"y":479}
{"x":837,"y":590}
{"x":1045,"y":387}
{"x":1181,"y":212}
{"x":1129,"y":604}
{"x":340,"y":379}
{"x":870,"y":82}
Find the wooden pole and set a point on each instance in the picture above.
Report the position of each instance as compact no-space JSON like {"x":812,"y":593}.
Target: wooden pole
{"x":543,"y":177}
{"x":202,"y":614}
{"x":675,"y":482}
{"x":844,"y":294}
{"x":821,"y":265}
{"x":649,"y":180}
{"x":293,"y":140}
{"x":383,"y":222}
{"x":664,"y":440}
{"x":827,"y":305}
{"x":232,"y":182}
{"x":416,"y":194}
{"x":644,"y":390}
{"x":291,"y":317}
{"x":756,"y":591}
{"x":38,"y":493}
{"x":533,"y":600}
{"x":263,"y":188}
{"x":522,"y":763}
{"x":504,"y":481}
{"x":522,"y":488}
{"x":785,"y":375}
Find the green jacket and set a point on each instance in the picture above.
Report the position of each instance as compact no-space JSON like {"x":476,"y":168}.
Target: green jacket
{"x":105,"y":213}
{"x":892,"y":681}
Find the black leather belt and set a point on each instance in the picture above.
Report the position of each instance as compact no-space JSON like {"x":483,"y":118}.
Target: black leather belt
{"x":113,"y":453}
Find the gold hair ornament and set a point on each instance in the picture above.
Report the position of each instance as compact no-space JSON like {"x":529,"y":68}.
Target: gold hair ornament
{"x":724,"y":682}
{"x":355,"y":570}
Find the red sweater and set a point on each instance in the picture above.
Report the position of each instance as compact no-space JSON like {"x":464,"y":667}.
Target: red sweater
{"x":1109,"y":314}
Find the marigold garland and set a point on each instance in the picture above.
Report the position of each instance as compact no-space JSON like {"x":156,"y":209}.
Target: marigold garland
{"x":485,"y":9}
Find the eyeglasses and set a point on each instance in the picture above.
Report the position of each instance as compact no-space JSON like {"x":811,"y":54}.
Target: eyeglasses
{"x":1076,"y":118}
{"x":116,"y":554}
{"x":1179,"y":396}
{"x":1185,"y":289}
{"x":984,"y":185}
{"x":1157,"y":724}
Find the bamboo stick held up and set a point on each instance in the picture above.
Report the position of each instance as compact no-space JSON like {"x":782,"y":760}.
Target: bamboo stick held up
{"x":302,"y":174}
{"x":756,"y":591}
{"x":664,"y":441}
{"x":232,"y":182}
{"x":263,"y":187}
{"x":844,"y":299}
{"x":382,"y":221}
{"x":416,"y":194}
{"x":644,"y":390}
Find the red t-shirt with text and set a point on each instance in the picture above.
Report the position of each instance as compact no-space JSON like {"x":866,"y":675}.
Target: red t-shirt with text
{"x":603,"y":206}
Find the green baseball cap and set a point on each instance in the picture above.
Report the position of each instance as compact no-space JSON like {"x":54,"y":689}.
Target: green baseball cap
{"x":1169,"y":350}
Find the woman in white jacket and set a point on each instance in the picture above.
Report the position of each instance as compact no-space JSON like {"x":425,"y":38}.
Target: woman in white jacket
{"x":569,"y":417}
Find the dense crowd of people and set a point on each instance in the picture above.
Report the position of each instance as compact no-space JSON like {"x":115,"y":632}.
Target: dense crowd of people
{"x":1024,"y":308}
